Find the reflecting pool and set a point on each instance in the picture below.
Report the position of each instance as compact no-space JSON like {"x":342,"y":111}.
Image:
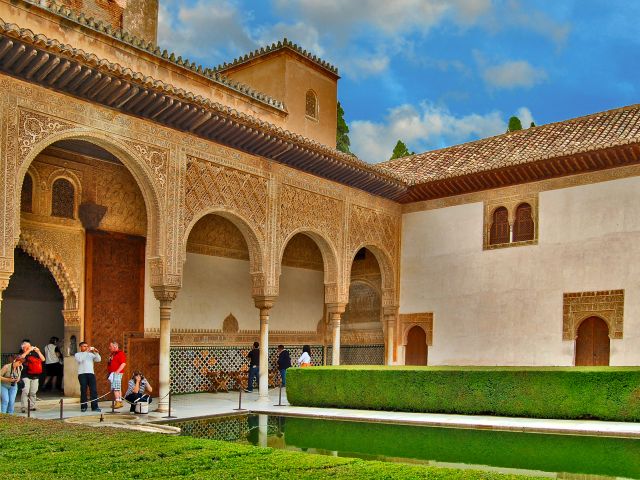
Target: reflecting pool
{"x":510,"y":452}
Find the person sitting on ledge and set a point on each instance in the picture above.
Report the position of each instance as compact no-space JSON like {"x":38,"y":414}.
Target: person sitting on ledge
{"x":138,"y":390}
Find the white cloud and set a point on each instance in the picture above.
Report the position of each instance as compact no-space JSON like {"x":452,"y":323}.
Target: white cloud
{"x":525,"y":116}
{"x":363,"y":35}
{"x":203,"y":30}
{"x":422,"y":129}
{"x":513,"y":74}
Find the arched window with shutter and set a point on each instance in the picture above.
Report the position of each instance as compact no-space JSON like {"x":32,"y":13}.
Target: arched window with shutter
{"x":523,"y":226}
{"x":311,"y":105}
{"x":62,"y":198}
{"x":26,"y":195}
{"x":499,"y":232}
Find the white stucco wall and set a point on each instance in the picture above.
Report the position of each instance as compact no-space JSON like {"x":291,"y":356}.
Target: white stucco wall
{"x":213,"y":287}
{"x":504,"y":306}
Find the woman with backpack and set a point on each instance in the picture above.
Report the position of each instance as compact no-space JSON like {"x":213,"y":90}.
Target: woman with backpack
{"x":31,"y":371}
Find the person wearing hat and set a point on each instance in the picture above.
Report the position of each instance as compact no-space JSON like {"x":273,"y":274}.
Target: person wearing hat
{"x":9,"y":378}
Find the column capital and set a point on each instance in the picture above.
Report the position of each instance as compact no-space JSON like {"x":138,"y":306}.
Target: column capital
{"x":165,"y":293}
{"x":390,"y":310}
{"x":264,"y":302}
{"x":336,"y":308}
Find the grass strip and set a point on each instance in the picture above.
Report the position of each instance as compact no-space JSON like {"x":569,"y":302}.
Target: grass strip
{"x":50,"y":449}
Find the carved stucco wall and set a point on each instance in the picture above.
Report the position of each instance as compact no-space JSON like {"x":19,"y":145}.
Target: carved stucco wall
{"x":183,"y":178}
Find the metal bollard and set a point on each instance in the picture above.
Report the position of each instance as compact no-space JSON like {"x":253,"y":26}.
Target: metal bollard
{"x":239,"y":399}
{"x":169,"y":413}
{"x":61,"y":409}
{"x":28,"y":407}
{"x":280,"y":404}
{"x":101,"y":417}
{"x":113,"y":405}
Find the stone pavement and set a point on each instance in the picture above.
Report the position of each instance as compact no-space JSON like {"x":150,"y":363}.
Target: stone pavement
{"x":210,"y":404}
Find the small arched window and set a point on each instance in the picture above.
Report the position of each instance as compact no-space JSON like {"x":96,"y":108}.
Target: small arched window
{"x":523,"y":225}
{"x":311,"y":105}
{"x":62,"y":198}
{"x":26,"y":195}
{"x":499,"y":232}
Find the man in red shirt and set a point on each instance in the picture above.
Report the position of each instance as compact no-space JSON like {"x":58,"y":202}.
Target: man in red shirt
{"x":115,"y":367}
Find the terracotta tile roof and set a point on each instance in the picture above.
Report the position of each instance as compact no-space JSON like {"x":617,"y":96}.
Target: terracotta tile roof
{"x":578,"y":135}
{"x":285,"y":43}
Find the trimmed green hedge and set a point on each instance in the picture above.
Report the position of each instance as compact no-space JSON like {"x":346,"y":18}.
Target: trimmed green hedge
{"x":603,"y":393}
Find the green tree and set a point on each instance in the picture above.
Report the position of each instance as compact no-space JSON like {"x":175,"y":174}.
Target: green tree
{"x":342,"y":132}
{"x":532,"y":125}
{"x":400,"y":150}
{"x":514,"y":124}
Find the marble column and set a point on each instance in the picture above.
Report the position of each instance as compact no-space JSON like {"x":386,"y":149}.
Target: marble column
{"x":165,"y":296}
{"x":264,"y":304}
{"x":72,"y":333}
{"x":4,"y":283}
{"x":335,"y":315}
{"x":390,"y":315}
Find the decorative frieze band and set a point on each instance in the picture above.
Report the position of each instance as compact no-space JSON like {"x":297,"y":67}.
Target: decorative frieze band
{"x":606,"y":304}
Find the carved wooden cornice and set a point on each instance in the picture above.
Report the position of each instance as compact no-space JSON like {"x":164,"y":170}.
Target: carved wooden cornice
{"x":47,"y":62}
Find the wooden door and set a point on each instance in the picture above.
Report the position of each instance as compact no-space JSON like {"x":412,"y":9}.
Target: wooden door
{"x":592,"y":344}
{"x":114,"y":295}
{"x":144,"y":354}
{"x":416,"y":351}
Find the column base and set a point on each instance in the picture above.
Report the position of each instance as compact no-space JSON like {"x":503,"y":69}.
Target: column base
{"x":162,"y":408}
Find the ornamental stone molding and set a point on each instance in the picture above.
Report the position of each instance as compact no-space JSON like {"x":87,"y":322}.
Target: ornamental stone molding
{"x":511,"y":203}
{"x":578,"y":306}
{"x":423,"y":320}
{"x":182,"y":178}
{"x":317,"y":216}
{"x":35,"y":118}
{"x":61,"y":252}
{"x":238,"y":196}
{"x":379,"y":232}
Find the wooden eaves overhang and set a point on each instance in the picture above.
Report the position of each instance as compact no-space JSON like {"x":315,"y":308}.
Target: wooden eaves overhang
{"x":51,"y":64}
{"x":524,"y":173}
{"x":586,"y":144}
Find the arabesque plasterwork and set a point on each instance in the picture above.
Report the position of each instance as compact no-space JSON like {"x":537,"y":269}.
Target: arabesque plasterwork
{"x":61,"y":250}
{"x":606,"y":304}
{"x":423,"y":320}
{"x":183,"y":178}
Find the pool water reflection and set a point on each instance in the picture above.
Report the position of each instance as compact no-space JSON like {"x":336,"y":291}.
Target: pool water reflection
{"x":510,"y":452}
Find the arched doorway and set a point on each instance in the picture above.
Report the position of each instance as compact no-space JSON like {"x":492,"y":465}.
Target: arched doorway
{"x":32,"y":305}
{"x":301,"y":302}
{"x":416,"y":351}
{"x":84,"y":206}
{"x":362,"y":333}
{"x":592,"y":343}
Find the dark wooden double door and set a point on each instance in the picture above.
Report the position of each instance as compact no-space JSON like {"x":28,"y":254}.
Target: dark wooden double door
{"x":592,"y":343}
{"x":114,"y":303}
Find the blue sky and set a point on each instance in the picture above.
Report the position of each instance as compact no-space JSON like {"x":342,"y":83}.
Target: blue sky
{"x":434,"y":73}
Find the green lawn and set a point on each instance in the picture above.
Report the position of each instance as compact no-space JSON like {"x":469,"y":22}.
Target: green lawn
{"x":48,"y":449}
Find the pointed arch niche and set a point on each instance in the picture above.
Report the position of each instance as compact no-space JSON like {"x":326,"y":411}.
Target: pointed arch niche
{"x":362,"y":331}
{"x":301,"y":299}
{"x":216,"y":278}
